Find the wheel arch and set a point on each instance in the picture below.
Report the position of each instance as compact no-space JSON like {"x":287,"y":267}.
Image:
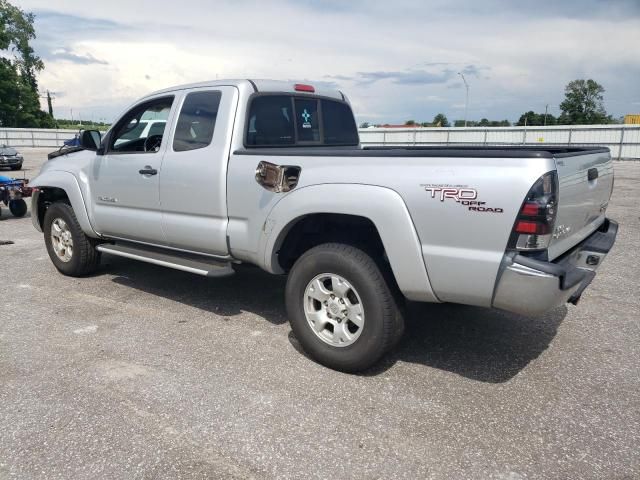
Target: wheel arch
{"x":377,"y":211}
{"x":308,"y":231}
{"x":57,"y":186}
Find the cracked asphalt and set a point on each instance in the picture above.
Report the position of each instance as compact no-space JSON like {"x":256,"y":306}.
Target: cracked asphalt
{"x":140,"y":372}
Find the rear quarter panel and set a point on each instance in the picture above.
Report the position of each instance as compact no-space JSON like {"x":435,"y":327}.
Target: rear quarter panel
{"x":462,"y":249}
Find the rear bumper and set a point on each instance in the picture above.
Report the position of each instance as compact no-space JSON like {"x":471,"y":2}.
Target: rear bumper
{"x":532,"y":287}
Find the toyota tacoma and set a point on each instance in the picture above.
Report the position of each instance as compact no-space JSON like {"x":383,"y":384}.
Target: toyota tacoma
{"x":272,"y":174}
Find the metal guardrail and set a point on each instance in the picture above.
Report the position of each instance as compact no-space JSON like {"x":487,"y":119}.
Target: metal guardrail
{"x":623,"y":140}
{"x":39,"y":137}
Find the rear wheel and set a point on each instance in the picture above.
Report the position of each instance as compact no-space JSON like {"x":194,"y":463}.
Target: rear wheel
{"x":18,"y":207}
{"x":70,"y":250}
{"x":340,"y":308}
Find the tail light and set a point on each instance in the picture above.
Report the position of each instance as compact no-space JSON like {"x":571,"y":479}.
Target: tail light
{"x":537,"y":216}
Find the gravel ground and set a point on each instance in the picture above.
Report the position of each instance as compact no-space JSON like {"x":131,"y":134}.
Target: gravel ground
{"x":144,"y":372}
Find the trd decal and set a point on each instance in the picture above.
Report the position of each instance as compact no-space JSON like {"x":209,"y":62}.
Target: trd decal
{"x":455,"y":193}
{"x":462,"y":194}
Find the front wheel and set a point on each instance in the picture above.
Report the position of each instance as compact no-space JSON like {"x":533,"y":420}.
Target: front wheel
{"x":70,"y":250}
{"x":16,"y":167}
{"x":340,"y":308}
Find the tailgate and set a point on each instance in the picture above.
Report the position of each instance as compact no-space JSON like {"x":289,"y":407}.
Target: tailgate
{"x":585,"y":185}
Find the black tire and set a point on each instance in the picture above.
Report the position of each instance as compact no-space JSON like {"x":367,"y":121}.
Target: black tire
{"x":18,"y":207}
{"x":383,"y":322}
{"x":85,"y":259}
{"x":16,"y":167}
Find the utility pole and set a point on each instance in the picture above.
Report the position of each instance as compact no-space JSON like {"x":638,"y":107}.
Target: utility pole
{"x":49,"y":104}
{"x":49,"y":101}
{"x":546,"y":108}
{"x":466,"y":101}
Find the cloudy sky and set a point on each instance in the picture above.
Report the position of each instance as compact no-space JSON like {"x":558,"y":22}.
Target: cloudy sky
{"x":396,"y":60}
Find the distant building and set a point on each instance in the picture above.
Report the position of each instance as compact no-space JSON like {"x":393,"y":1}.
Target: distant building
{"x":632,"y":119}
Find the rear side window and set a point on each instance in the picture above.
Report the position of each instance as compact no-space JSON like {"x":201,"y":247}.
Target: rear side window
{"x":339,"y":125}
{"x":197,"y":121}
{"x":286,"y":120}
{"x":271,"y":121}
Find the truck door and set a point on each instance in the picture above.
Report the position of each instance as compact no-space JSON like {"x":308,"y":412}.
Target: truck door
{"x":124,"y":181}
{"x":193,"y":177}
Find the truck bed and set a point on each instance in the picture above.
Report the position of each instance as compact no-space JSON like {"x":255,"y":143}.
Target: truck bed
{"x":427,"y":151}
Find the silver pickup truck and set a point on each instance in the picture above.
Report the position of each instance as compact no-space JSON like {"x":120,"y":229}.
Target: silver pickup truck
{"x":272,"y":174}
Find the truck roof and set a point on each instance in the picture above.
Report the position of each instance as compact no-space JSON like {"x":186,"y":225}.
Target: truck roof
{"x":263,"y":85}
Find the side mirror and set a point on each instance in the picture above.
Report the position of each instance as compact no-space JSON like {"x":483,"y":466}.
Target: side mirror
{"x":90,"y":139}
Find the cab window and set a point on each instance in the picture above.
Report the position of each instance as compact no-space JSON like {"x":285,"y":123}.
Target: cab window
{"x":142,"y":128}
{"x":197,"y":121}
{"x":290,"y":120}
{"x":271,"y":121}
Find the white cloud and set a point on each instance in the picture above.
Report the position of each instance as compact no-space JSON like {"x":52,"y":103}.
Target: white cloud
{"x":395,"y":60}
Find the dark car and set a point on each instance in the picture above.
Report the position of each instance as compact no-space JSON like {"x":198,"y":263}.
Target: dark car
{"x":9,"y":157}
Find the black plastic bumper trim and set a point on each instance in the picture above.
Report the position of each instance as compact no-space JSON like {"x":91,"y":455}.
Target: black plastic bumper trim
{"x":603,"y":239}
{"x":600,"y":241}
{"x":575,"y":298}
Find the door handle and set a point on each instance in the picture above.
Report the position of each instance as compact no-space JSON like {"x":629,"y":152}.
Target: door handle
{"x":147,"y":170}
{"x":592,"y":174}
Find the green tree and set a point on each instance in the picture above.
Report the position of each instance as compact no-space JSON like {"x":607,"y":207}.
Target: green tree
{"x":410,"y":123}
{"x":583,"y":103}
{"x":19,"y":65}
{"x":483,"y":123}
{"x":536,"y":119}
{"x":527,"y":118}
{"x":364,"y":125}
{"x":440,"y":120}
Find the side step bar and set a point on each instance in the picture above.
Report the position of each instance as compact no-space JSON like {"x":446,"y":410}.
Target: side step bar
{"x":186,"y":262}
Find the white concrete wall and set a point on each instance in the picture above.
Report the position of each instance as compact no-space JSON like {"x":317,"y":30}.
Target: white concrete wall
{"x":42,"y":137}
{"x":623,"y":140}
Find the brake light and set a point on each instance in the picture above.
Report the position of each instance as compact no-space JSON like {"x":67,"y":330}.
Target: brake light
{"x":530,"y":209}
{"x":525,"y":226}
{"x":534,"y":226}
{"x":301,"y":87}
